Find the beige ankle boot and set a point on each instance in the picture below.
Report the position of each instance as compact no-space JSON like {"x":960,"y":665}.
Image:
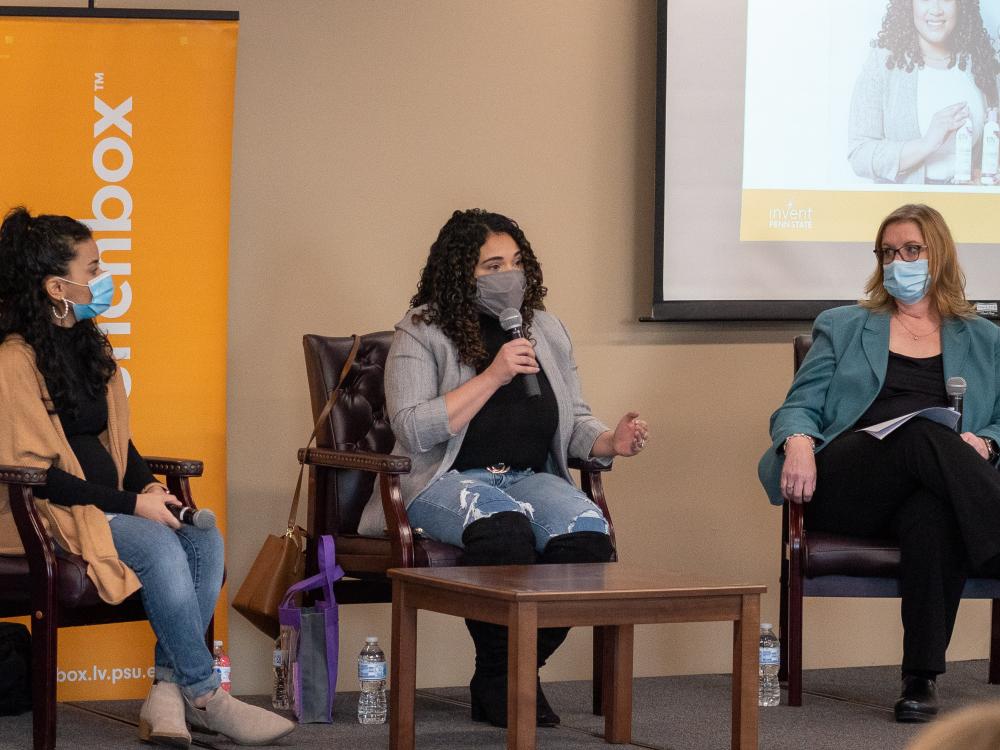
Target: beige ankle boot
{"x":161,"y":719}
{"x":239,"y":721}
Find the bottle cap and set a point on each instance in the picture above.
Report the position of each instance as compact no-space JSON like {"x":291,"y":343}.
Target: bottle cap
{"x":765,"y":626}
{"x":218,"y":644}
{"x":371,"y":639}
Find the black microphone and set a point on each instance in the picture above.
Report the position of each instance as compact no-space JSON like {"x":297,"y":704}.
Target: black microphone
{"x":202,"y":519}
{"x":510,"y":321}
{"x":955,"y":388}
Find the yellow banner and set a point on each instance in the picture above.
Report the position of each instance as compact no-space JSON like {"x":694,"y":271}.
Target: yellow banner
{"x":853,"y":216}
{"x":126,"y":124}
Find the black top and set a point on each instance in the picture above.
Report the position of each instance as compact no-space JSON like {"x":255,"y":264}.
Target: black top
{"x":510,"y":428}
{"x":83,"y":428}
{"x":910,"y":384}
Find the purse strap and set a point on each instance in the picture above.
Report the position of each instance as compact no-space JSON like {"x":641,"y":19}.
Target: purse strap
{"x":348,"y":363}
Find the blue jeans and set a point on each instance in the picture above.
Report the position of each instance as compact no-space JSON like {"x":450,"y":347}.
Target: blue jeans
{"x":181,"y":574}
{"x":456,"y":499}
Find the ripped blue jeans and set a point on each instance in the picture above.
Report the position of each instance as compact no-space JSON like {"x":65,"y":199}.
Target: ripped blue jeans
{"x":456,"y":499}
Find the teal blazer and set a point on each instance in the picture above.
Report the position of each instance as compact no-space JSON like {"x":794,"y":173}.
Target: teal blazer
{"x":845,"y":369}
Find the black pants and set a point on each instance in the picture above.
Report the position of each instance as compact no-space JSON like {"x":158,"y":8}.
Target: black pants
{"x":924,"y":487}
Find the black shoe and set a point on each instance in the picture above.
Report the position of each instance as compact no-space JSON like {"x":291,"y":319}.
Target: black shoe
{"x":918,"y":701}
{"x":489,"y":701}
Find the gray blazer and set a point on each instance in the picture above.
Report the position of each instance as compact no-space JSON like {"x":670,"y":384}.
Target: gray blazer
{"x":883,"y":118}
{"x":423,"y":365}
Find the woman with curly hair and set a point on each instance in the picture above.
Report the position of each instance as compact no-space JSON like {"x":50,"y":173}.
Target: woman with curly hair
{"x":64,"y":410}
{"x":489,"y":461}
{"x":932,"y":70}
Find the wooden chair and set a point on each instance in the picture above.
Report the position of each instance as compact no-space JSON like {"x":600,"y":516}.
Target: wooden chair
{"x":816,"y":563}
{"x":342,"y":474}
{"x":53,"y":588}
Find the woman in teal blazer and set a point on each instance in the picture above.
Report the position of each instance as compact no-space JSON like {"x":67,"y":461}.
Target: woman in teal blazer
{"x":925,"y":485}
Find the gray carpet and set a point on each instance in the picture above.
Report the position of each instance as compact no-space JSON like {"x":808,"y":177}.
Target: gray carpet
{"x":842,"y":708}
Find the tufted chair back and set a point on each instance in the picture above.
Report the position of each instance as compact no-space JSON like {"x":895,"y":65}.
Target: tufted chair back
{"x":358,"y":422}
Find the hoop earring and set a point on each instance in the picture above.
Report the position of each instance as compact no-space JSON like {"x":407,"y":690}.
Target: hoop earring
{"x":55,"y":312}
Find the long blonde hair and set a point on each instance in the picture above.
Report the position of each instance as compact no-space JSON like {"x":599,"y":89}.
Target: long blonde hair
{"x":947,"y":281}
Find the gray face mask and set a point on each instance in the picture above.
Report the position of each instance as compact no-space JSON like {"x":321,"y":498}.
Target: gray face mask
{"x":495,"y":292}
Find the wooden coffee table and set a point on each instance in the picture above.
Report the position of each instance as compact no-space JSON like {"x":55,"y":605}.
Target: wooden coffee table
{"x":527,"y":597}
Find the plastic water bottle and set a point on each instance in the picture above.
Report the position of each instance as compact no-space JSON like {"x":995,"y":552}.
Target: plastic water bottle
{"x":221,"y":665}
{"x":372,"y":708}
{"x":279,"y":690}
{"x":768,"y":688}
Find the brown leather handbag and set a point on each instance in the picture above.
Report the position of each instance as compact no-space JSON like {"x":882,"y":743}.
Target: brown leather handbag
{"x":281,"y":561}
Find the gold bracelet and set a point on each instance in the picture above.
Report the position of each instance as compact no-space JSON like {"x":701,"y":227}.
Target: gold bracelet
{"x":810,"y":438}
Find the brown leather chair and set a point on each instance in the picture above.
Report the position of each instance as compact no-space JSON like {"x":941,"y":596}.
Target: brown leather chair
{"x":816,"y":563}
{"x":342,"y":474}
{"x":54,"y":590}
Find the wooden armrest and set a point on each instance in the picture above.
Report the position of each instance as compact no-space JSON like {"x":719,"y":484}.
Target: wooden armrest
{"x":175,"y":467}
{"x":382,"y":463}
{"x":796,"y":530}
{"x":22,"y":475}
{"x":589,"y":464}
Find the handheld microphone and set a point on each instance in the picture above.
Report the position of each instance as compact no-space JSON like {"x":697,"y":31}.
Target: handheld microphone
{"x":955,"y":388}
{"x":201,"y":519}
{"x":510,"y":321}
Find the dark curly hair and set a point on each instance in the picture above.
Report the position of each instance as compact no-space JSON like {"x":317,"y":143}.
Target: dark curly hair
{"x":71,"y":360}
{"x":970,"y":44}
{"x":448,"y":282}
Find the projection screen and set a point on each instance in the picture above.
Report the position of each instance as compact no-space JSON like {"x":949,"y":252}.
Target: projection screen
{"x":784,"y":137}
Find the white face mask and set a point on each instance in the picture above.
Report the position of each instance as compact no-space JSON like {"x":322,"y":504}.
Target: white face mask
{"x":495,"y":292}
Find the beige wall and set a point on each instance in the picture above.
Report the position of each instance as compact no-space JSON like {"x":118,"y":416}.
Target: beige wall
{"x":359,"y":127}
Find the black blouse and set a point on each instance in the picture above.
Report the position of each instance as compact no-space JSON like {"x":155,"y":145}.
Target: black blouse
{"x":83,"y":427}
{"x":910,"y":384}
{"x":510,"y":428}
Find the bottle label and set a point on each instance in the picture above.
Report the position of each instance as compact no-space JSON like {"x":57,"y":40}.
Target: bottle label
{"x":371,"y":670}
{"x":770,"y":655}
{"x":279,"y":660}
{"x":223,"y":673}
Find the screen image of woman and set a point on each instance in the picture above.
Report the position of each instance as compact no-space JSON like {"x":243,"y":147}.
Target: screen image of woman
{"x":489,"y":456}
{"x":933,"y":490}
{"x":924,"y":95}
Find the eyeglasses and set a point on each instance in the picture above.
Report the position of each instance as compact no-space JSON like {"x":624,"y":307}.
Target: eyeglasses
{"x":908,"y":252}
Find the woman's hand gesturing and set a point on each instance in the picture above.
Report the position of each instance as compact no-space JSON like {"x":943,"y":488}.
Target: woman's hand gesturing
{"x":514,"y":358}
{"x":153,"y":505}
{"x":798,"y":477}
{"x":630,"y":435}
{"x":628,"y":438}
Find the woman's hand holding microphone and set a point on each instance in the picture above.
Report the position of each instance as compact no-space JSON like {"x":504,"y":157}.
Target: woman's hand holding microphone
{"x":516,"y":357}
{"x":153,"y":503}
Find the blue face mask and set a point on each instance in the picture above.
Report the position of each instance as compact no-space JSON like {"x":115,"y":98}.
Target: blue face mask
{"x":907,"y":282}
{"x":102,"y":289}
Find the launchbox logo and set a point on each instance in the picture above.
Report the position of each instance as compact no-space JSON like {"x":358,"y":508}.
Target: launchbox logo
{"x":112,"y":210}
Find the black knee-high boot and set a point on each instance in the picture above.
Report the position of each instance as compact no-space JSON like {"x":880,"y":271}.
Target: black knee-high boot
{"x":577,"y":547}
{"x":501,"y":539}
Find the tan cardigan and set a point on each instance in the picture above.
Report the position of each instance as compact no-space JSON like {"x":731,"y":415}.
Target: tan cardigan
{"x":31,"y":435}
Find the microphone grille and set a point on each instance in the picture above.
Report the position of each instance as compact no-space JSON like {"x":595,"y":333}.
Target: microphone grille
{"x":204,"y":518}
{"x":510,"y":318}
{"x":955,"y":386}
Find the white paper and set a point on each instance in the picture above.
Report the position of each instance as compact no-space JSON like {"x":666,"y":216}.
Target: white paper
{"x":941,"y":414}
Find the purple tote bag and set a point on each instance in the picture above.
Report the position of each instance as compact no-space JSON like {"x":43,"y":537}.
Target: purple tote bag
{"x":315,"y":640}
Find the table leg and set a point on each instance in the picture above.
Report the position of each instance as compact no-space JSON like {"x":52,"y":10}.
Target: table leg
{"x":746,"y":641}
{"x":522,"y":667}
{"x":618,"y":688}
{"x":403,"y":682}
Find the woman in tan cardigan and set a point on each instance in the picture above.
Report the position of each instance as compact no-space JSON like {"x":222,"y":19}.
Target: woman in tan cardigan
{"x":65,"y":411}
